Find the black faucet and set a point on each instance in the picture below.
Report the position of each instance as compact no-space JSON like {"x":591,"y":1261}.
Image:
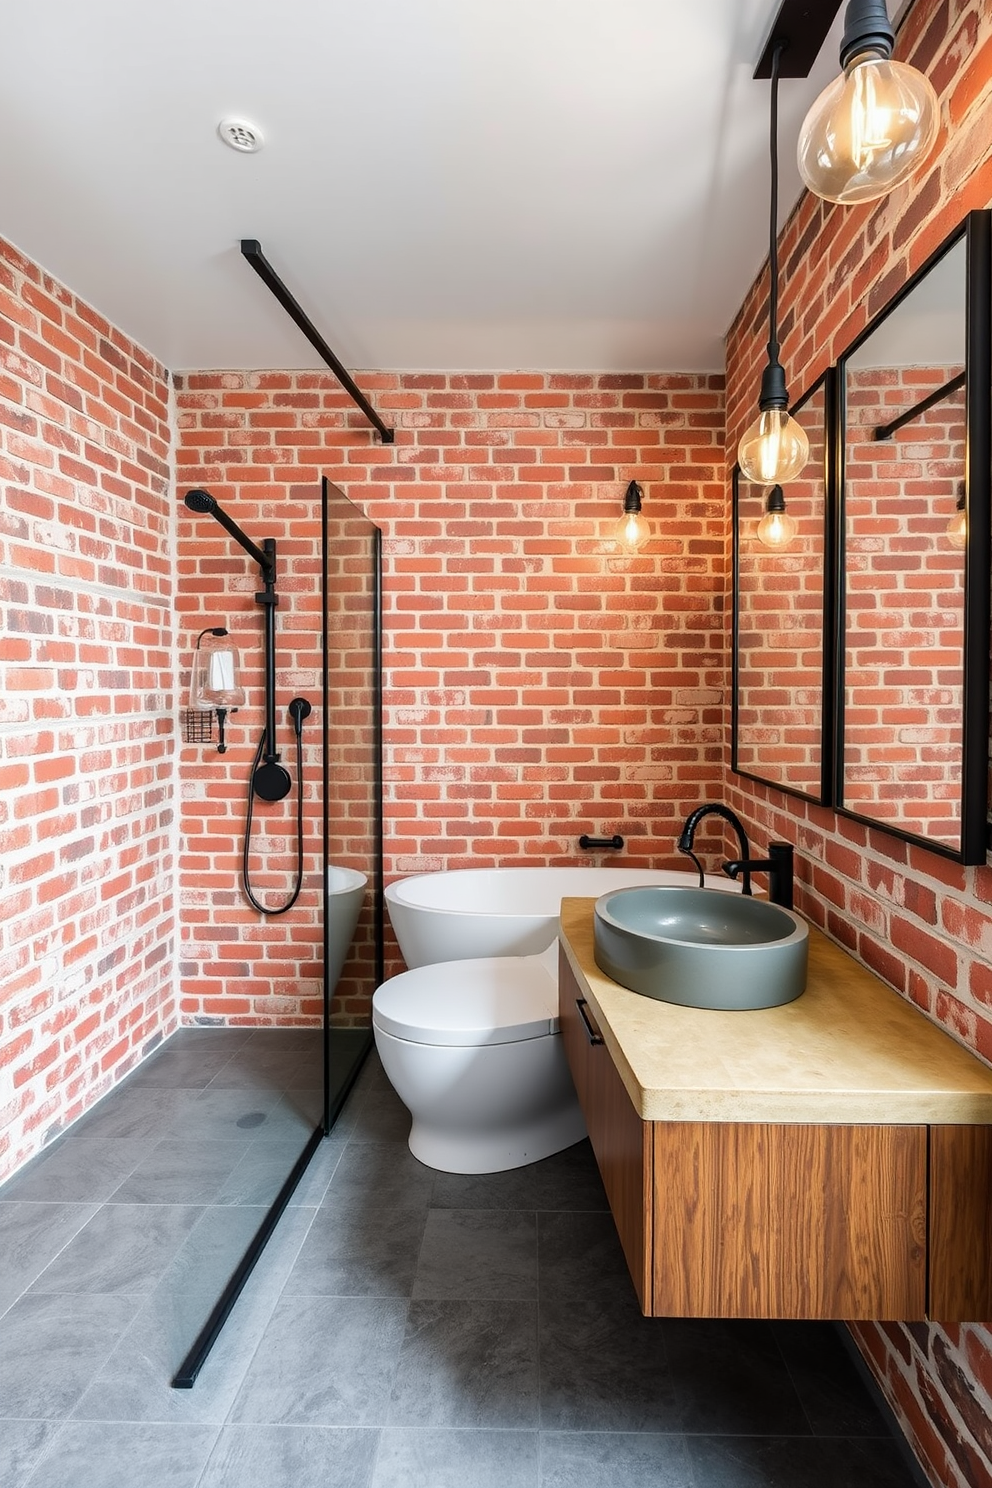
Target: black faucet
{"x":778,"y":864}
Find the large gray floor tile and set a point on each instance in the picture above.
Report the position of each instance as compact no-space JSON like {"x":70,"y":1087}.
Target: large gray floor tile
{"x":791,"y":1462}
{"x":52,"y":1348}
{"x":80,"y":1171}
{"x":324,"y":1361}
{"x":100,"y":1454}
{"x":478,"y":1254}
{"x":134,"y":1384}
{"x":179,"y":1067}
{"x":457,"y":1459}
{"x":225,"y":1115}
{"x":130,"y":1112}
{"x":730,"y":1377}
{"x":31,"y":1236}
{"x":516,"y":1189}
{"x":21,"y":1445}
{"x":470,"y":1364}
{"x":182,"y":1171}
{"x":357,"y":1251}
{"x":292,"y":1457}
{"x":604,"y":1369}
{"x":263,"y":1167}
{"x":579,"y":1255}
{"x":831,"y":1391}
{"x":381,"y":1172}
{"x":296,"y":1113}
{"x":123,"y":1249}
{"x":570,"y":1181}
{"x":597,"y":1459}
{"x":381,"y":1117}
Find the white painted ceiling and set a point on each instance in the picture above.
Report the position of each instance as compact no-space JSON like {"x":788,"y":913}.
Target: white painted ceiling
{"x":469,"y":184}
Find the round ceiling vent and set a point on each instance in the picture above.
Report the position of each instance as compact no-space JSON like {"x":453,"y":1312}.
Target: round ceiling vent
{"x":241,"y":135}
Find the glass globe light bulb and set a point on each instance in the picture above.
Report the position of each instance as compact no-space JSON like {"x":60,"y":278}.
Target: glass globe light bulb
{"x":776,"y":527}
{"x":773,"y":449}
{"x":632,"y":531}
{"x":957,"y":528}
{"x":868,"y":131}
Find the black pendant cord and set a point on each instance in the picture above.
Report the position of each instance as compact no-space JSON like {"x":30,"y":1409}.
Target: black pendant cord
{"x":773,"y":343}
{"x":245,"y":873}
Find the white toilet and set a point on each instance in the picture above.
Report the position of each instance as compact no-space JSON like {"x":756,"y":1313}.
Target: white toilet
{"x":473,"y":1051}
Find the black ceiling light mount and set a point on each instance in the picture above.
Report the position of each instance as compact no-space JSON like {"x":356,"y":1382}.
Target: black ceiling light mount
{"x":774,"y":448}
{"x":877,"y":123}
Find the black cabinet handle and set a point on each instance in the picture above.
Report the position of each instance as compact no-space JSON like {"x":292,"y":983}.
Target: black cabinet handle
{"x":592,"y":1032}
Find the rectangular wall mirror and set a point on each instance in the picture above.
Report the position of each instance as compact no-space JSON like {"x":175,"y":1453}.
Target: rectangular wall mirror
{"x":781,"y":685}
{"x":913,"y":609}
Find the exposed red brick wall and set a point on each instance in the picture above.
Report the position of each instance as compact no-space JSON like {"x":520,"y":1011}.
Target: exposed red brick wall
{"x":86,"y":722}
{"x":538,"y":684}
{"x":922,"y":923}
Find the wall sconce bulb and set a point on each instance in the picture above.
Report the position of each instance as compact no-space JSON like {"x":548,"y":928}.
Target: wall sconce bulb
{"x":633,"y":529}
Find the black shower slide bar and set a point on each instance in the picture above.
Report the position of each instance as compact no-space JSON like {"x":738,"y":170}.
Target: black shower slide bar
{"x":251,"y":249}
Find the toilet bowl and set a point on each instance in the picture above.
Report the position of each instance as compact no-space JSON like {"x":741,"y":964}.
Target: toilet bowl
{"x":473,"y":1051}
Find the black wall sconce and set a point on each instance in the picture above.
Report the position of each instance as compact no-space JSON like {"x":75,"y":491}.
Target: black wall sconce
{"x":633,"y":529}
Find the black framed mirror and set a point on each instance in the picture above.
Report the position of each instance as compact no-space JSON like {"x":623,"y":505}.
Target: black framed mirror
{"x":912,"y":706}
{"x":782,"y":693}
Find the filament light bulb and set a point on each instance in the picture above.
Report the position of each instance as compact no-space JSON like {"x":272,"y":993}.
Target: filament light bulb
{"x":957,"y":528}
{"x":633,"y":529}
{"x":774,"y":448}
{"x":869,"y":130}
{"x":776,"y":527}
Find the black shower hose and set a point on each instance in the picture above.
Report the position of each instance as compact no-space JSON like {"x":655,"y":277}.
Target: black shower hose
{"x":283,"y":908}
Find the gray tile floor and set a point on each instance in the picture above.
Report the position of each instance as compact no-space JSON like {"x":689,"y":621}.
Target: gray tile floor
{"x":404,"y":1328}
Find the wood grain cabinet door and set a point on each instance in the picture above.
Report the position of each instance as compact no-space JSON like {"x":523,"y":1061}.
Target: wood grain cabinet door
{"x":765,"y":1220}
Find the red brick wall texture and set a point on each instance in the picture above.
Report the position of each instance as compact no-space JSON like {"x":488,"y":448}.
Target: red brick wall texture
{"x":538,"y":683}
{"x":87,"y":806}
{"x":922,"y":923}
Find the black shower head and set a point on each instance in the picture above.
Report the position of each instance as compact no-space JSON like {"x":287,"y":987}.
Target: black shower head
{"x":200,"y":501}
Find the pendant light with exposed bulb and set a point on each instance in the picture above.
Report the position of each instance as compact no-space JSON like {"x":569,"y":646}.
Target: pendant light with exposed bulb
{"x":876,"y":124}
{"x":776,"y":527}
{"x":774,"y":448}
{"x":633,"y":529}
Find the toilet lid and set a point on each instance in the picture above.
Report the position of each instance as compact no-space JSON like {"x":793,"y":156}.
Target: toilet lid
{"x":493,"y":1000}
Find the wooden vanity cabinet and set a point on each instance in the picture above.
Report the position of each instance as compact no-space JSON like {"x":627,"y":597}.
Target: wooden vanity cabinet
{"x":786,"y":1220}
{"x":621,"y":1141}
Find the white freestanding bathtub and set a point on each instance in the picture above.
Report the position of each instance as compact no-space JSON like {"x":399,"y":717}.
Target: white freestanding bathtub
{"x":345,"y":895}
{"x":469,"y":1035}
{"x":472,"y":912}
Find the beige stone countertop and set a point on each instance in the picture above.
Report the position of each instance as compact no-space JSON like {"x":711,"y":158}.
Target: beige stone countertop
{"x":849,"y":1051}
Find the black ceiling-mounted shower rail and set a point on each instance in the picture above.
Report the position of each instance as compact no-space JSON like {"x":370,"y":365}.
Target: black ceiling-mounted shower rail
{"x":251,"y":249}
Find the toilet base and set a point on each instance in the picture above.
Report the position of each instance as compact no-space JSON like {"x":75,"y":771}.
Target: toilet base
{"x":484,"y":1109}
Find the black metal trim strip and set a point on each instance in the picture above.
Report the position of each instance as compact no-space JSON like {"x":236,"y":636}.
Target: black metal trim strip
{"x":185,"y":1376}
{"x":251,"y":249}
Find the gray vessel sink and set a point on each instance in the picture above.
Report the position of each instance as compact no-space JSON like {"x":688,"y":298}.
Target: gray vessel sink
{"x":701,"y":948}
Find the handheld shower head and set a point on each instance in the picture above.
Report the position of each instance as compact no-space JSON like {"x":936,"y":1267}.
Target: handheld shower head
{"x":200,"y":501}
